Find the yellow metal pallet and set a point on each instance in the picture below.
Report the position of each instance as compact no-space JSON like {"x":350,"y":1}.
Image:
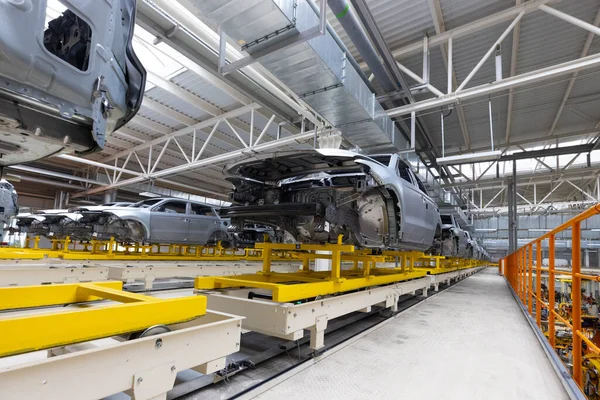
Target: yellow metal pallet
{"x":307,"y":283}
{"x":67,"y":249}
{"x":23,"y":331}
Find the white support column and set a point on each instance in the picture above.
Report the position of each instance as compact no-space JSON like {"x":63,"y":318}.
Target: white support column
{"x":449,"y":65}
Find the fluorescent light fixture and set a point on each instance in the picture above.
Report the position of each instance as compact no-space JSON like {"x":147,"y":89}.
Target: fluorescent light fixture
{"x":539,"y":230}
{"x":593,"y":244}
{"x":471,"y":157}
{"x":595,"y":230}
{"x":149,"y":194}
{"x":486,"y":230}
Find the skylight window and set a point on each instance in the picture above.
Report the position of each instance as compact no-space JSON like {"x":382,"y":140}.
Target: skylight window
{"x":159,"y":59}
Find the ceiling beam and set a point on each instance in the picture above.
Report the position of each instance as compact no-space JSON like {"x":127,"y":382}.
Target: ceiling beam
{"x":185,"y":131}
{"x":167,"y":111}
{"x":555,"y":151}
{"x":440,"y":27}
{"x":497,"y":86}
{"x":473,"y":27}
{"x":586,"y":48}
{"x":535,"y":140}
{"x":180,"y":29}
{"x":198,"y":163}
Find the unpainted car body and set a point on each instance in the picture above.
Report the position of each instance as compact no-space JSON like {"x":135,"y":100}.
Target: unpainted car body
{"x":8,"y":201}
{"x":472,"y":246}
{"x":64,"y":87}
{"x":455,"y":241}
{"x":314,"y":196}
{"x":159,"y":220}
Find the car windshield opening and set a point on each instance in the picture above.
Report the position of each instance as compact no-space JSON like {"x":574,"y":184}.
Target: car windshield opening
{"x":145,"y":203}
{"x":446,"y":219}
{"x":384,"y":158}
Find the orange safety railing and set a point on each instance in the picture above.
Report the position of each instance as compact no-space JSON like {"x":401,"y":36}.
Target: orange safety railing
{"x":519,"y":271}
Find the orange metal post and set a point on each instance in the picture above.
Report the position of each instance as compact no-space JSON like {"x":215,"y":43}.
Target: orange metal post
{"x":538,"y":284}
{"x":521,"y":275}
{"x":576,"y":301}
{"x":517,"y":259}
{"x":530,"y":297}
{"x":551,"y":300}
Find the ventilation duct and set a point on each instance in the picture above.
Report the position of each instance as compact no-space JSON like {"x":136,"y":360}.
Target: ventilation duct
{"x":316,"y":70}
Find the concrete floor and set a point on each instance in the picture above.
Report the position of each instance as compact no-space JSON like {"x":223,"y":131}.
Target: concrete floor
{"x":469,"y":342}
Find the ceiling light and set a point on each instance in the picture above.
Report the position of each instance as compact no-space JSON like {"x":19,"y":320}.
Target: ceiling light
{"x":595,"y":230}
{"x":539,"y":230}
{"x":149,"y":194}
{"x":471,"y":157}
{"x":486,"y":230}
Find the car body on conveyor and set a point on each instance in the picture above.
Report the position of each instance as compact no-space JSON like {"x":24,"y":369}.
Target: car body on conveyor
{"x":472,"y":246}
{"x":455,"y":241}
{"x":65,"y":85}
{"x":314,"y":196}
{"x":157,"y":220}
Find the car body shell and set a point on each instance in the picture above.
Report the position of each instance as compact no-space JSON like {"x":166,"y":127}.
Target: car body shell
{"x":418,"y":222}
{"x":162,"y":220}
{"x":455,"y":241}
{"x":173,"y":220}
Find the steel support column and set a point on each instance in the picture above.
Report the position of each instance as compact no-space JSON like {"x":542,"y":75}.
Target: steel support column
{"x":512,"y":210}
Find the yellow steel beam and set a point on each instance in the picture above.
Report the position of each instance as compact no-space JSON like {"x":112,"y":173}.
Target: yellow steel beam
{"x":21,"y":334}
{"x":48,"y":295}
{"x":346,"y":248}
{"x":92,"y":289}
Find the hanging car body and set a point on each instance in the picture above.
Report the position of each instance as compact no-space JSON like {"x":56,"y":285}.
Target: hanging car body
{"x":68,"y":83}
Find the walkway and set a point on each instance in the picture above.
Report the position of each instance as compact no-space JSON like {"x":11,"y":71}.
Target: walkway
{"x":469,"y":342}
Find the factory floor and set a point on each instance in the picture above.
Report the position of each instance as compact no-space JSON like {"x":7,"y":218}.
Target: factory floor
{"x":468,"y":342}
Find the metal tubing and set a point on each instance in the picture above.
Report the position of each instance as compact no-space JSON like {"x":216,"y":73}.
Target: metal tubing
{"x":538,"y":284}
{"x":551,"y":300}
{"x":442,"y":125}
{"x":523,"y":275}
{"x":345,"y":15}
{"x":449,"y":65}
{"x":426,"y":59}
{"x":530,"y":285}
{"x":575,"y":21}
{"x":491,"y":123}
{"x":507,"y":83}
{"x":576,"y":302}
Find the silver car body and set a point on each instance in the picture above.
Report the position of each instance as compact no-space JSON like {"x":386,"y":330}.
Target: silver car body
{"x":317,"y":195}
{"x":454,"y":238}
{"x":64,"y":87}
{"x":160,"y":220}
{"x":8,"y":201}
{"x":472,"y":246}
{"x":173,"y":220}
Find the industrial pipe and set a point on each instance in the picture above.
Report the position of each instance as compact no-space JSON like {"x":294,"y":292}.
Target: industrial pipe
{"x":338,"y":40}
{"x":350,"y":23}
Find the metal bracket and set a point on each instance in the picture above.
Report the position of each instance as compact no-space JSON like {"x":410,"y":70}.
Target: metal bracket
{"x":152,"y":383}
{"x":293,"y":40}
{"x":100,"y":112}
